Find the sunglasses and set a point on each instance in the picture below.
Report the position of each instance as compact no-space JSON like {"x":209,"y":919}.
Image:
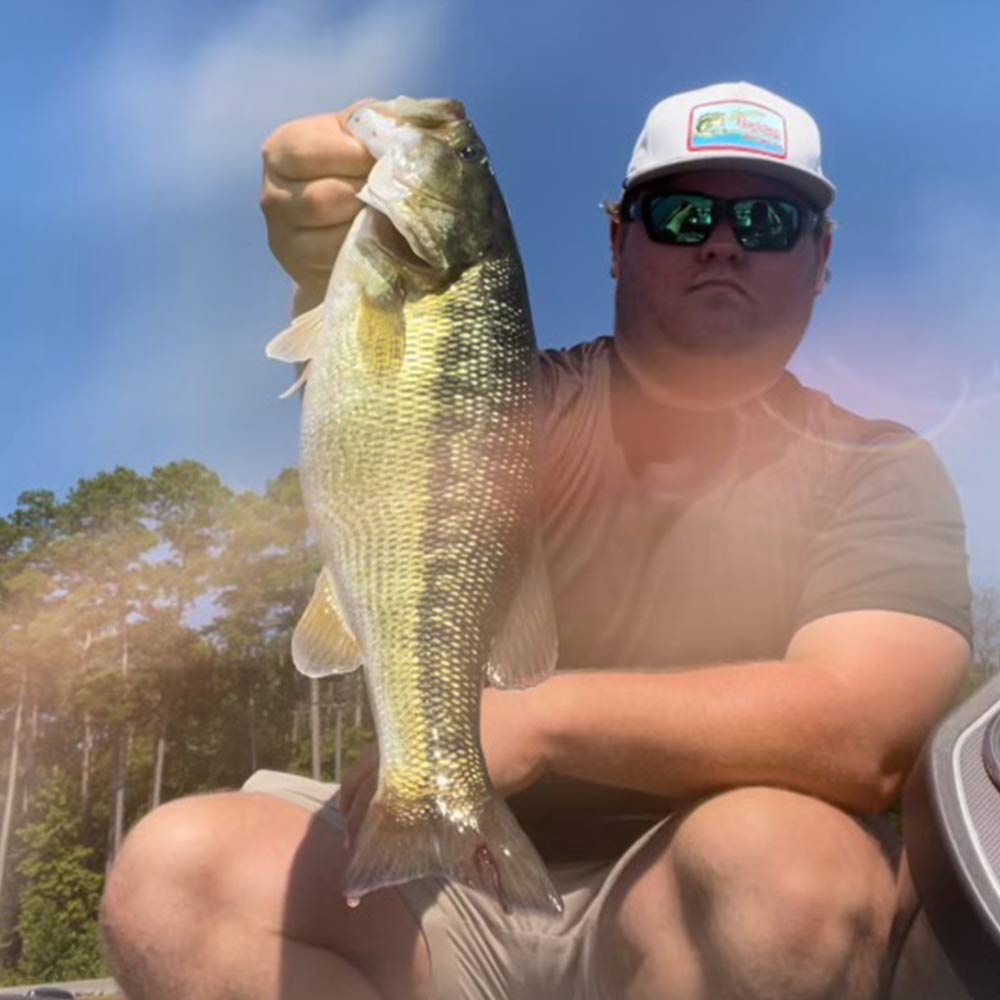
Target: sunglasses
{"x":686,"y":218}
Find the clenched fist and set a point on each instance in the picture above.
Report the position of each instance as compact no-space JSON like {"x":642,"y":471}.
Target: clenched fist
{"x":313,"y":168}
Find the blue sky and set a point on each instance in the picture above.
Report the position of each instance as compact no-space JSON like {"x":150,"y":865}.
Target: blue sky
{"x":139,"y":291}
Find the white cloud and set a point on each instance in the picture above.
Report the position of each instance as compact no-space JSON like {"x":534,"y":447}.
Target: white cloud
{"x":189,"y":119}
{"x":173,"y":113}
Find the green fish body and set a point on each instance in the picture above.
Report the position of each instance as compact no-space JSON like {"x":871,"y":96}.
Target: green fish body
{"x":417,"y":466}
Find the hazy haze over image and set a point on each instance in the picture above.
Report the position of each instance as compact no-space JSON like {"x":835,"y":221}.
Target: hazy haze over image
{"x":141,"y":293}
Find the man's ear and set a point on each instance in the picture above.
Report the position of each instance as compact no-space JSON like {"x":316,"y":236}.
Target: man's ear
{"x":617,"y":233}
{"x":823,"y":269}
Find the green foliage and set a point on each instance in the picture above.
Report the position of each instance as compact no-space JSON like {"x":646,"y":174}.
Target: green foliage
{"x":986,"y":643}
{"x":98,"y":595}
{"x":37,"y":514}
{"x":977,"y":675}
{"x":354,"y":740}
{"x":60,"y":894}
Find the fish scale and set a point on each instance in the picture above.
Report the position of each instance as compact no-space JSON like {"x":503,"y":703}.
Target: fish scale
{"x":417,"y":466}
{"x":427,"y":399}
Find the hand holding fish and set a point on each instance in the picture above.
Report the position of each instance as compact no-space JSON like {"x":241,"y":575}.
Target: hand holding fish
{"x":313,"y":167}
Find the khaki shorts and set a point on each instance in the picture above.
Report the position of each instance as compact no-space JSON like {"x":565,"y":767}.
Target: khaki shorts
{"x":480,"y":953}
{"x":477,"y":951}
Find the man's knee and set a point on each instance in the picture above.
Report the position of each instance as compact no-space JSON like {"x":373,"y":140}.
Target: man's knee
{"x":774,"y":865}
{"x":760,"y":886}
{"x":252,"y":868}
{"x":170,"y":865}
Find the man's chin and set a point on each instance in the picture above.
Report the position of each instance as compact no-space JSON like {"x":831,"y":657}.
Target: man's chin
{"x":719,"y":366}
{"x":715,"y":339}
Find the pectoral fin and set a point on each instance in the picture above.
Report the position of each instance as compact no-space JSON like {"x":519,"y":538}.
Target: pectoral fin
{"x":524,"y":651}
{"x":301,"y":340}
{"x":382,"y":334}
{"x":299,"y":382}
{"x":322,"y":643}
{"x":299,"y":343}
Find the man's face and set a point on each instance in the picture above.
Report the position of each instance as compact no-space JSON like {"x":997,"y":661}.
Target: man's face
{"x":708,"y":325}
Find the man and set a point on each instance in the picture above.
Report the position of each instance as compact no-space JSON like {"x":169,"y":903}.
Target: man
{"x":763,"y":610}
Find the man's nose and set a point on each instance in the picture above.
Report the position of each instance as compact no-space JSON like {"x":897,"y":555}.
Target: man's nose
{"x":721,"y":244}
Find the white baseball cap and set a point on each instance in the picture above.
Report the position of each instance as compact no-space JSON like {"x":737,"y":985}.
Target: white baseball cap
{"x":735,"y":126}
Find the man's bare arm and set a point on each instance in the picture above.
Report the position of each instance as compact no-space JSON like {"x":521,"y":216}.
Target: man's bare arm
{"x":842,"y":717}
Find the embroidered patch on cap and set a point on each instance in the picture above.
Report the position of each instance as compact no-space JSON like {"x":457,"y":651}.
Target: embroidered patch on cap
{"x":738,"y":125}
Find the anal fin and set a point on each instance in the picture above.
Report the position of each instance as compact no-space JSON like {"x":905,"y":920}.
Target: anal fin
{"x":322,"y":643}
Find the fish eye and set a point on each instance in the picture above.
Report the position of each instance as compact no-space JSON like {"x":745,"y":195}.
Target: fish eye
{"x":471,"y":154}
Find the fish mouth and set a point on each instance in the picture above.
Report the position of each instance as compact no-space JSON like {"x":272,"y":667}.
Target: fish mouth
{"x":398,"y":245}
{"x":374,"y":121}
{"x":388,"y":133}
{"x":401,"y":231}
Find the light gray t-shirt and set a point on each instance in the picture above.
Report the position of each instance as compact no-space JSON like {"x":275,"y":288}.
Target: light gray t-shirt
{"x":678,"y":540}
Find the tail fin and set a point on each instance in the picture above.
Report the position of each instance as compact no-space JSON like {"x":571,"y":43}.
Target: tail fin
{"x":489,"y":852}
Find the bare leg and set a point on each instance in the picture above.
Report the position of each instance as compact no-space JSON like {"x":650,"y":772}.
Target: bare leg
{"x":237,"y":897}
{"x":756,"y":893}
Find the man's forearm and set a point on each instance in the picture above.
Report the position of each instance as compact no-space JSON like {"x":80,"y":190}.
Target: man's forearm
{"x":686,"y":734}
{"x":842,"y":717}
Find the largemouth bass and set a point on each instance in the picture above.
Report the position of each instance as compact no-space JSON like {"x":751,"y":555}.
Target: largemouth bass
{"x":417,"y":468}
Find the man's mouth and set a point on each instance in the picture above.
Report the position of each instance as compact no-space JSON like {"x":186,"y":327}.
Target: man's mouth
{"x":719,"y":284}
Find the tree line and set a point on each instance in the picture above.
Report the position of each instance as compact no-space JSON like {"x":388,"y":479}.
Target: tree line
{"x":145,"y":627}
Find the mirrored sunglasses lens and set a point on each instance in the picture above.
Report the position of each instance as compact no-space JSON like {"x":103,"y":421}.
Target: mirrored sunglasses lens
{"x":766,"y":223}
{"x":680,"y":218}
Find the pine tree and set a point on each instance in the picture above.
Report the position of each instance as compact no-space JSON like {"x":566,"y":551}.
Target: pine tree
{"x":61,"y":891}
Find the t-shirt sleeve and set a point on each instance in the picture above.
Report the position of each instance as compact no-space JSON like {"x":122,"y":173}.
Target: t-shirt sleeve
{"x":568,"y":410}
{"x":564,"y":377}
{"x":893,"y":537}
